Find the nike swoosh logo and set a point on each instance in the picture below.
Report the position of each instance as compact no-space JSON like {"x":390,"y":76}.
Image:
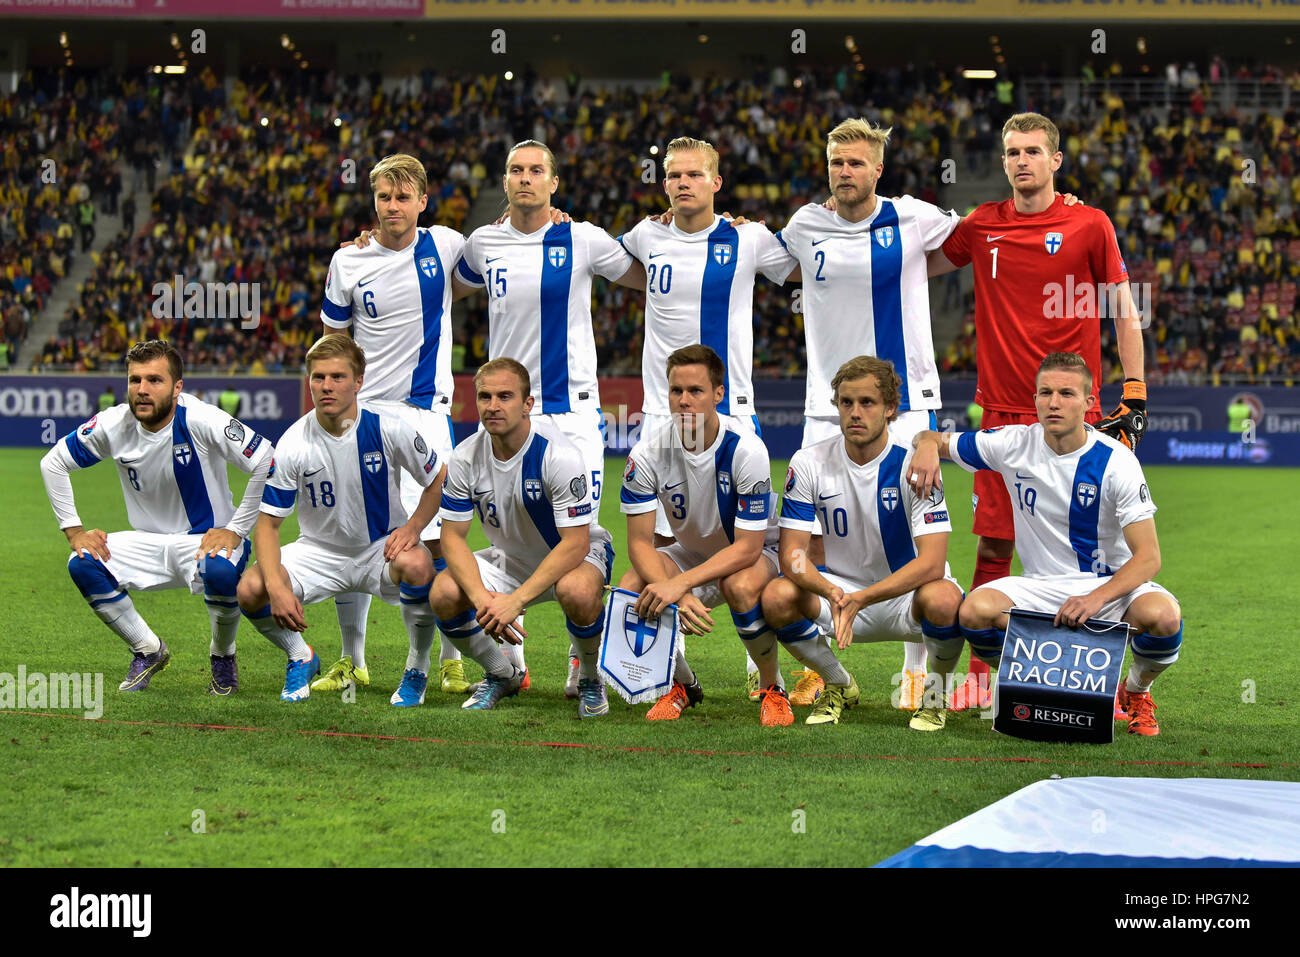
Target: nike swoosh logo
{"x":1019,"y":476}
{"x":669,"y":488}
{"x":128,"y":463}
{"x":313,"y":472}
{"x":367,"y":282}
{"x":478,"y":493}
{"x":492,"y":260}
{"x":818,"y":242}
{"x":990,"y":239}
{"x":822,"y":498}
{"x":653,"y":255}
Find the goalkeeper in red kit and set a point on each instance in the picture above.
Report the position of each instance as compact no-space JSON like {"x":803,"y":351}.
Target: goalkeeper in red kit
{"x":1041,"y":269}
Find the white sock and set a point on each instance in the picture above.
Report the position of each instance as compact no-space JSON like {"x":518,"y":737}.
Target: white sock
{"x":225,"y":625}
{"x":290,"y":642}
{"x":447,"y":651}
{"x":352,"y":609}
{"x":681,"y":670}
{"x":127,"y":624}
{"x":813,"y":651}
{"x":472,"y":640}
{"x":513,"y":654}
{"x":914,"y":656}
{"x":750,"y":665}
{"x":420,"y":625}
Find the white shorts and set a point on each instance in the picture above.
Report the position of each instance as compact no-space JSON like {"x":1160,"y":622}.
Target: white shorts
{"x":710,"y":594}
{"x":149,"y":561}
{"x":1049,"y":594}
{"x":317,"y":573}
{"x":435,"y":429}
{"x":491,"y":568}
{"x":890,"y":620}
{"x":653,"y":420}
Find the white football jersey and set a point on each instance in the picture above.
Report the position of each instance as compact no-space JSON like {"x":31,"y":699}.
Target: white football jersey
{"x":398,"y":303}
{"x":869,"y":515}
{"x":174,"y":480}
{"x":707,"y":495}
{"x":865,"y":292}
{"x":700,"y":289}
{"x":523,"y":501}
{"x":1070,"y":510}
{"x":539,"y":303}
{"x":346,"y":487}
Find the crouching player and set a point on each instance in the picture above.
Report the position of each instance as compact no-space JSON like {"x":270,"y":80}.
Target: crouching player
{"x":887,"y":575}
{"x":1085,"y":530}
{"x":715,"y":486}
{"x":171,"y":451}
{"x":339,"y":464}
{"x":528,"y":484}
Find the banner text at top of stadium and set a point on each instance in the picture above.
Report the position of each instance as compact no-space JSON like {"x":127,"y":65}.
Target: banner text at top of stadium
{"x":1241,"y":11}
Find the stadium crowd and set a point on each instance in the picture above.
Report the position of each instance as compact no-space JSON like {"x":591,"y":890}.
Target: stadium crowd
{"x":263,"y":183}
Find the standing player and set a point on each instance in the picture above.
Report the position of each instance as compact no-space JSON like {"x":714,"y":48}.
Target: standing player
{"x":715,"y":483}
{"x":1040,"y":269}
{"x":395,"y":295}
{"x":338,"y":463}
{"x":865,"y":290}
{"x":528,"y":484}
{"x":903,"y":589}
{"x":538,"y":277}
{"x":1084,"y":527}
{"x":700,"y":272}
{"x":171,"y":452}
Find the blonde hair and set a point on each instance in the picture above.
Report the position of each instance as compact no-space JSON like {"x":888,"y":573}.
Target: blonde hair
{"x":687,"y":144}
{"x":506,"y":364}
{"x":334,"y":346}
{"x":859,"y":131}
{"x":860,"y":367}
{"x":404,"y":170}
{"x":535,"y":144}
{"x":1030,"y":122}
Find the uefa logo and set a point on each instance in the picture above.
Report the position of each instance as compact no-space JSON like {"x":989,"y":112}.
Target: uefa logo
{"x":1021,"y":712}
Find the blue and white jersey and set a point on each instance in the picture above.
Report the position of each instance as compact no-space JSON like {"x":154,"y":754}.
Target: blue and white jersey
{"x":521,"y":502}
{"x":346,"y":486}
{"x":1070,"y":510}
{"x":539,"y":303}
{"x":869,"y":515}
{"x":706,"y":495}
{"x":865,"y":292}
{"x":173,"y":480}
{"x":398,"y":303}
{"x":700,"y":289}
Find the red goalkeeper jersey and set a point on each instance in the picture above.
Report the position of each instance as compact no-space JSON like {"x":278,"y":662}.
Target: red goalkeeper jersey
{"x":1038,"y":281}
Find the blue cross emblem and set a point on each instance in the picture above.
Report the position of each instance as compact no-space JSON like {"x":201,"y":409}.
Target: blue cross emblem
{"x":1086,"y":493}
{"x":724,"y":482}
{"x":533,"y":489}
{"x":637,"y":631}
{"x":182,"y":453}
{"x":884,"y":236}
{"x":374,"y":461}
{"x":722,"y":253}
{"x":889,"y":497}
{"x":1053,"y":243}
{"x":556,"y":255}
{"x":429,"y":266}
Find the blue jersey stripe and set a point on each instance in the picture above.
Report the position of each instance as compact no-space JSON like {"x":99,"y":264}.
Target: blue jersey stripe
{"x":374,"y":474}
{"x":279,"y":497}
{"x":724,"y":482}
{"x":715,"y":298}
{"x":1085,"y":508}
{"x":886,"y":244}
{"x":536,"y":502}
{"x":895,"y":521}
{"x":336,"y":312}
{"x":557,"y":275}
{"x":781,"y":239}
{"x":189,"y":475}
{"x":466,"y":272}
{"x":433,"y":284}
{"x":799,"y":511}
{"x":80,"y":454}
{"x":969,"y":449}
{"x":629,"y":497}
{"x":457,"y":504}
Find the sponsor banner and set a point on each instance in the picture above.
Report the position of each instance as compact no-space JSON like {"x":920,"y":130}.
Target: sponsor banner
{"x":1059,"y":684}
{"x":218,"y":9}
{"x":40,"y":409}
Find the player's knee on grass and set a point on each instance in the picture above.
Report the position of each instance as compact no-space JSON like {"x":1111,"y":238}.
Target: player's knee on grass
{"x":781,"y":602}
{"x":938,"y":602}
{"x":92,"y":579}
{"x":220,"y":577}
{"x":1155,"y":614}
{"x":581,"y":593}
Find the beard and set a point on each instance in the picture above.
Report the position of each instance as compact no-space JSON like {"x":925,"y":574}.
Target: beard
{"x":162,"y":408}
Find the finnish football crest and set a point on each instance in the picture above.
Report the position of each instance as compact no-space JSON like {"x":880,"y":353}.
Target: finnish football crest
{"x":1085,"y":493}
{"x":533,"y":489}
{"x":429,"y":266}
{"x":723,"y":252}
{"x":373,"y":461}
{"x":557,"y":255}
{"x":1053,"y":243}
{"x":639,"y":633}
{"x":884,"y":236}
{"x":724,"y":482}
{"x":182,"y":453}
{"x":889,"y":497}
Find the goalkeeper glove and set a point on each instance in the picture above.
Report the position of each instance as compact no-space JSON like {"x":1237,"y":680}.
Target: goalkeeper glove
{"x":1128,"y":422}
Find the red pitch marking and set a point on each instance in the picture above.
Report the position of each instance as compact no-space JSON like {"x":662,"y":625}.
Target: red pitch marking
{"x":641,"y":749}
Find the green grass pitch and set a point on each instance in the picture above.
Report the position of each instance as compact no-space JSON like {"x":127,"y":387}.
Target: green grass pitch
{"x":174,"y":777}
